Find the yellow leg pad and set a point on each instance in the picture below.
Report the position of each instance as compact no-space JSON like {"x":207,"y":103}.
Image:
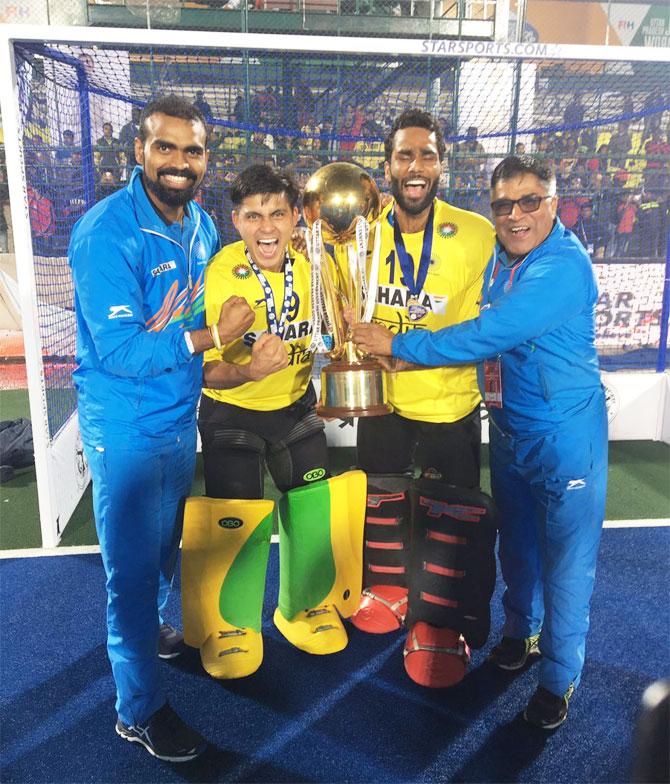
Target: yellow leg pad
{"x":232,"y":652}
{"x":318,"y":631}
{"x":225,"y":549}
{"x":321,"y":566}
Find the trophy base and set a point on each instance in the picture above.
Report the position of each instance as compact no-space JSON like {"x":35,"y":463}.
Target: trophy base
{"x":353,"y":390}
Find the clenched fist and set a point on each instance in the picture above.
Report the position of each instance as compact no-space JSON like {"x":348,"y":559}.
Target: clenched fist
{"x":268,"y":355}
{"x":235,"y":319}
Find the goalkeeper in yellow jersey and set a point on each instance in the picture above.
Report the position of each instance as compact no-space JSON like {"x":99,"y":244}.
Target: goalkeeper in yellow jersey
{"x":431,"y":268}
{"x":257,"y":410}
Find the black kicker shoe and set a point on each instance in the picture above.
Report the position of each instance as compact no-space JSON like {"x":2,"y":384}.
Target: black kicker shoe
{"x":511,"y":654}
{"x":170,"y":642}
{"x":546,"y":710}
{"x":165,"y":736}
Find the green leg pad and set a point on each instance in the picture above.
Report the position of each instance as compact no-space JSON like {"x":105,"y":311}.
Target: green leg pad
{"x":321,"y":545}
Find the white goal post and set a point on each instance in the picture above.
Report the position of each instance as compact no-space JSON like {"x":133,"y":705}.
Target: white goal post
{"x":62,"y":475}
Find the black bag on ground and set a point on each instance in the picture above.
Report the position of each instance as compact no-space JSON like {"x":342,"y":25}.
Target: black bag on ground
{"x":16,"y":446}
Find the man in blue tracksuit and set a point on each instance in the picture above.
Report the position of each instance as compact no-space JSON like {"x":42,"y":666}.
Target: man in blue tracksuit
{"x":138,"y":260}
{"x":539,"y":377}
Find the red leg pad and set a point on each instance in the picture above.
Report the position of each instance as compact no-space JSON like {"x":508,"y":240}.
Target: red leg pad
{"x":435,"y":657}
{"x":382,"y":609}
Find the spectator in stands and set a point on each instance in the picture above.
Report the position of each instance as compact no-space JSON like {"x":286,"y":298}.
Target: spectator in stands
{"x":370,"y":153}
{"x":588,"y":138}
{"x":64,"y":152}
{"x":519,"y":148}
{"x":480,"y":201}
{"x":626,"y":212}
{"x":371,"y":125}
{"x":589,"y":231}
{"x":599,"y":161}
{"x":127,"y":136}
{"x":574,"y":112}
{"x":261,"y":152}
{"x":470,"y":154}
{"x":70,"y":201}
{"x":327,"y":142}
{"x":201,"y":104}
{"x":619,"y":146}
{"x":351,"y":125}
{"x":39,"y":166}
{"x":648,"y":238}
{"x":107,"y":184}
{"x":306,"y":144}
{"x":657,"y":171}
{"x":570,"y":204}
{"x":144,"y":251}
{"x":107,"y":153}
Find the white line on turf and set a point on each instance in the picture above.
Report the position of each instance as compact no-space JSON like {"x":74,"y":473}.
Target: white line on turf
{"x":42,"y":552}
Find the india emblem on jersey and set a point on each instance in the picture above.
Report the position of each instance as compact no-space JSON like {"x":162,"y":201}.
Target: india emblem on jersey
{"x":241,"y":271}
{"x":447,"y":230}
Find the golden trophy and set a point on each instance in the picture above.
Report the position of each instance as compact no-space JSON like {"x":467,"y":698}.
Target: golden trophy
{"x":340,"y":202}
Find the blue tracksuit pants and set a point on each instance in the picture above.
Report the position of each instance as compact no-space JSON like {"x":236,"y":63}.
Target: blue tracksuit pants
{"x":550,"y":492}
{"x":136,"y":495}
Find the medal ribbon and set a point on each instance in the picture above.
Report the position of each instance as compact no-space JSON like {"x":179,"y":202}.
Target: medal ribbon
{"x":405,"y":260}
{"x":275,"y":326}
{"x":319,"y":311}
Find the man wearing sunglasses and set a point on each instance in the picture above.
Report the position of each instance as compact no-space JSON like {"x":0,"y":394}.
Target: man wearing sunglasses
{"x":538,"y":373}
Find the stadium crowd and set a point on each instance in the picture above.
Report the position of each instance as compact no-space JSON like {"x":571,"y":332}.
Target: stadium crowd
{"x":613,"y":181}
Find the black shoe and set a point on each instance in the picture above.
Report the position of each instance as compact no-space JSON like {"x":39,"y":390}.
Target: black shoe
{"x":546,"y":710}
{"x":511,"y":654}
{"x":170,"y":642}
{"x":165,"y":736}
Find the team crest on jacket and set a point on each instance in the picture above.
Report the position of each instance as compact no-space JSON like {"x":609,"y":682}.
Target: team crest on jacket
{"x":241,"y":271}
{"x":447,"y":230}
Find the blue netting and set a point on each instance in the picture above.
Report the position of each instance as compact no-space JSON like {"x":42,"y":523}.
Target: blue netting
{"x":604,"y":124}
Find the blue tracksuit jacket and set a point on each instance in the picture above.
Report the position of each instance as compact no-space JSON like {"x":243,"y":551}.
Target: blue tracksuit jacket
{"x":542,"y":327}
{"x":138,"y":285}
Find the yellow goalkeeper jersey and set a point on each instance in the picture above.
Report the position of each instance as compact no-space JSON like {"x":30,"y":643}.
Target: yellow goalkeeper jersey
{"x":229,"y":274}
{"x":462,"y":245}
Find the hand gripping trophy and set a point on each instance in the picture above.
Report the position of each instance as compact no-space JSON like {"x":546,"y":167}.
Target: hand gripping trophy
{"x":341,"y":203}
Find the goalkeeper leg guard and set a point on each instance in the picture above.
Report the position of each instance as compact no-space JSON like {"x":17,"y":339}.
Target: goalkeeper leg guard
{"x":320,"y":555}
{"x":386,"y":555}
{"x":452,"y":576}
{"x":225,"y":550}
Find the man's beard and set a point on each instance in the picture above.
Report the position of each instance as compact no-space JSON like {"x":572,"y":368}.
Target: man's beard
{"x":413,"y":208}
{"x":172,"y":197}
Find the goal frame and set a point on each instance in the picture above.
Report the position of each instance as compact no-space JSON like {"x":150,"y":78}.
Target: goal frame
{"x":62,"y":475}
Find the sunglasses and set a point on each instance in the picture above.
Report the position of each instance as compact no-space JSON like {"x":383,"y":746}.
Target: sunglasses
{"x":529,"y":203}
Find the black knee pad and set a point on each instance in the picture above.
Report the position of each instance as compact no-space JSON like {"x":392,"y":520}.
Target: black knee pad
{"x":233,"y":463}
{"x":307,"y":433}
{"x":234,"y":438}
{"x":452,"y":570}
{"x":306,"y":427}
{"x":387,"y":530}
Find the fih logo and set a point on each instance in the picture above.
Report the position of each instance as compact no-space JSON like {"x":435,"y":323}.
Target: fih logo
{"x":230,"y":522}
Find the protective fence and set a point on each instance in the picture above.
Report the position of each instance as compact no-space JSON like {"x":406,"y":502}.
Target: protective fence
{"x":301,"y":102}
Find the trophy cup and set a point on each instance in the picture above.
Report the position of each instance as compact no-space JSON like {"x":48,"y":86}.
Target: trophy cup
{"x":340,"y":202}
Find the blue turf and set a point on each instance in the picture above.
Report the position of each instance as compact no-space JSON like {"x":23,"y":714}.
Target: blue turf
{"x":350,"y":717}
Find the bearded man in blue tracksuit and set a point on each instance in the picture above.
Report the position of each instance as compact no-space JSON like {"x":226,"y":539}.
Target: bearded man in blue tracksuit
{"x":535,"y":340}
{"x":138,"y":261}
